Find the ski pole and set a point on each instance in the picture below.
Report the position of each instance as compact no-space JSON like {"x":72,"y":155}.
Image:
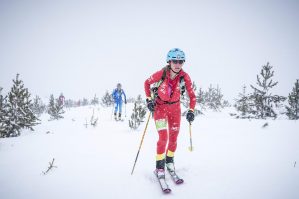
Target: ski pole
{"x":149,"y":115}
{"x":191,"y":147}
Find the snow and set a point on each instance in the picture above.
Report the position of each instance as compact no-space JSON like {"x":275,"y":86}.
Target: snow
{"x":231,"y":159}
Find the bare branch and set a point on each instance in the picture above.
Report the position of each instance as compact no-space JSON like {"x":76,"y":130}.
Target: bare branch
{"x":50,"y":167}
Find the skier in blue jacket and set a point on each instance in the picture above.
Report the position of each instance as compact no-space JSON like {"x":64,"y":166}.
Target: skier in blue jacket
{"x":118,"y":100}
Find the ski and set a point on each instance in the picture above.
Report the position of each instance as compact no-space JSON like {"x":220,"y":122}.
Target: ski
{"x":171,"y":170}
{"x":164,"y":186}
{"x":175,"y":177}
{"x":121,"y":120}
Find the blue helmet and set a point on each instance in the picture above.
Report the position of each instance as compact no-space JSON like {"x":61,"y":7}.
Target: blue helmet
{"x":175,"y":54}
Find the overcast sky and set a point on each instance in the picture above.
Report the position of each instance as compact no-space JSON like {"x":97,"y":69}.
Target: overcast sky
{"x":82,"y":48}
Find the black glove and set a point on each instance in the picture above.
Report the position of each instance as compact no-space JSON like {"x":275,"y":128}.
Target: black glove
{"x":190,"y":116}
{"x":150,"y":105}
{"x":125,"y":101}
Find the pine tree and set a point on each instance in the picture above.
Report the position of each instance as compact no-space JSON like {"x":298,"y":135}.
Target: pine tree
{"x":213,"y":98}
{"x":107,"y":100}
{"x":20,"y":114}
{"x":138,"y":113}
{"x":293,"y":100}
{"x":3,"y":114}
{"x":85,"y":102}
{"x":243,"y":104}
{"x":51,"y":106}
{"x":95,"y":100}
{"x":200,"y":99}
{"x":139,"y":100}
{"x":69,"y":103}
{"x":55,"y":109}
{"x":264,"y":101}
{"x":38,"y":107}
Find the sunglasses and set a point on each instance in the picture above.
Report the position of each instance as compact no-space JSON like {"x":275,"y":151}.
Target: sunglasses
{"x":178,"y":61}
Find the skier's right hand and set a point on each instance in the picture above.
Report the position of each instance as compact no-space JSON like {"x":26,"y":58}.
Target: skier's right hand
{"x":150,"y":104}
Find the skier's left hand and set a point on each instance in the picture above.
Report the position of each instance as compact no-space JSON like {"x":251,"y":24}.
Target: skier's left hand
{"x":150,"y":105}
{"x":125,"y":101}
{"x":190,"y":116}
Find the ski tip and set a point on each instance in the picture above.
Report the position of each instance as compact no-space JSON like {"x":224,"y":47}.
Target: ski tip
{"x":180,"y":181}
{"x":166,"y":190}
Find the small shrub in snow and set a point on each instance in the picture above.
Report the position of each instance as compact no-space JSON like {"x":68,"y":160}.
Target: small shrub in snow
{"x":93,"y":120}
{"x":211,"y":99}
{"x":38,"y":107}
{"x":107,"y":100}
{"x":55,"y":109}
{"x":95,"y":100}
{"x":243,"y":105}
{"x":138,"y":113}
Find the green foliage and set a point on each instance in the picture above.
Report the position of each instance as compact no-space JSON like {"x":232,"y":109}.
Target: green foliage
{"x":293,"y":100}
{"x":138,"y":113}
{"x":55,"y":109}
{"x":17,"y":113}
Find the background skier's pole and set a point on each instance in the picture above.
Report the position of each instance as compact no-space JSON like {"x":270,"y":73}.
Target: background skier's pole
{"x":149,"y":115}
{"x":190,"y":147}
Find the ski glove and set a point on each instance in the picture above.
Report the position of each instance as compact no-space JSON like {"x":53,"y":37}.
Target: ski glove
{"x":150,"y":105}
{"x":190,"y":116}
{"x":125,"y":101}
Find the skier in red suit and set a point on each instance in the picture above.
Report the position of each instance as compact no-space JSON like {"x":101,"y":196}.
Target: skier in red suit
{"x":166,"y":106}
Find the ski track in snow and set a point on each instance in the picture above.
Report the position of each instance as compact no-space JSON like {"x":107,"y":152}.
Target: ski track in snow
{"x":231,"y":159}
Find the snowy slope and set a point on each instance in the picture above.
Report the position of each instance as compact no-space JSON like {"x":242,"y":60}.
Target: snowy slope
{"x":232,"y":159}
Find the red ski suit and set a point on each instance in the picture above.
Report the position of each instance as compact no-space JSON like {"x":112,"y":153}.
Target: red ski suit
{"x":168,"y":109}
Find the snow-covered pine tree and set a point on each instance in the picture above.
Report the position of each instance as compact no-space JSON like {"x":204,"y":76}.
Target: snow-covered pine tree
{"x":139,"y":100}
{"x":11,"y":119}
{"x":69,"y":103}
{"x":243,"y":105}
{"x":138,"y":113}
{"x":51,"y":106}
{"x":85,"y":102}
{"x":3,"y":114}
{"x":19,"y":109}
{"x":107,"y":100}
{"x":200,"y":99}
{"x":55,"y":109}
{"x":293,"y":100}
{"x":264,"y":101}
{"x":213,"y":98}
{"x":95,"y":100}
{"x":38,"y":107}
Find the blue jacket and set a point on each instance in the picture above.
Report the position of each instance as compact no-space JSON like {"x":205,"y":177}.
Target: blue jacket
{"x":117,"y":95}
